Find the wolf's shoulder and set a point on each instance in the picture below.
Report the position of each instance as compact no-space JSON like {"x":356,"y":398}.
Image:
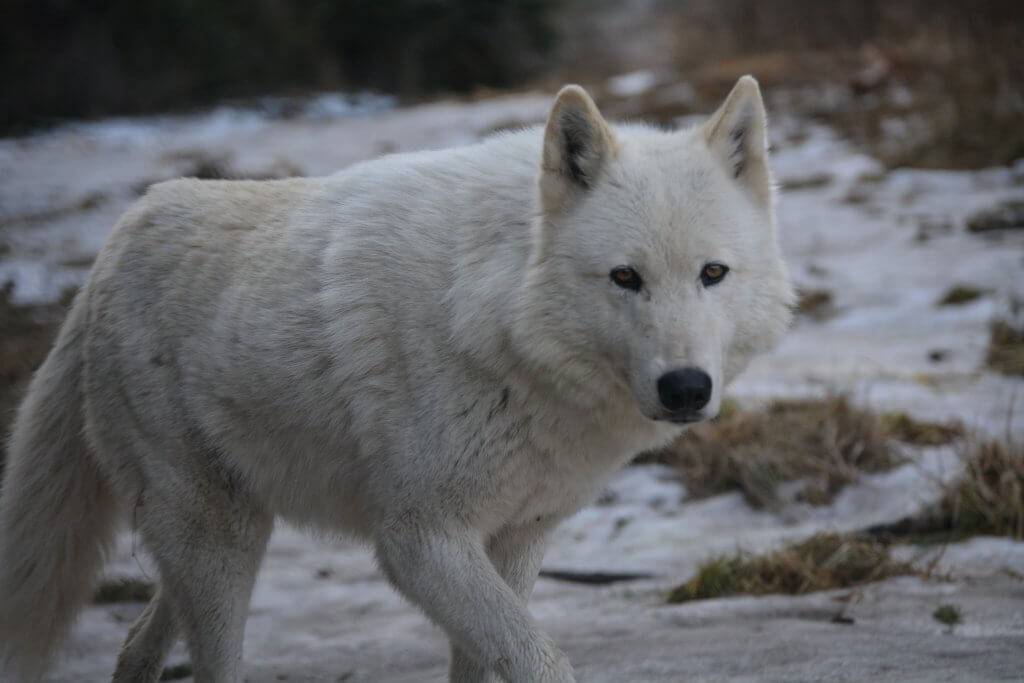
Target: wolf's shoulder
{"x":188,"y":197}
{"x":212,"y":211}
{"x":501,"y":153}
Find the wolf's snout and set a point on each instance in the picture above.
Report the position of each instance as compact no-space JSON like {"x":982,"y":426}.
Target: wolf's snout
{"x":683,"y":392}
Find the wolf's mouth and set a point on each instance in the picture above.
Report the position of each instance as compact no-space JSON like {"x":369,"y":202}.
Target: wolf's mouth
{"x":686,"y":418}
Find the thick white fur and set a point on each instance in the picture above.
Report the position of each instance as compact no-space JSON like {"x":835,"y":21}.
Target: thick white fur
{"x":424,"y":351}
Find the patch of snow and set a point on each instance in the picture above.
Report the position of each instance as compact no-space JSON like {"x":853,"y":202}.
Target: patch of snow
{"x":632,"y":84}
{"x":672,"y":535}
{"x":35,"y":282}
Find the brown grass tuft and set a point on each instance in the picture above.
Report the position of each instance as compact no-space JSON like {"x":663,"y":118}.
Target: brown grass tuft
{"x":827,"y":442}
{"x":87,"y":202}
{"x":989,"y":497}
{"x":1006,"y":348}
{"x":815,"y":304}
{"x":960,"y":294}
{"x":948,"y":614}
{"x":1006,"y":216}
{"x":902,"y":427}
{"x":823,"y":562}
{"x":807,"y":182}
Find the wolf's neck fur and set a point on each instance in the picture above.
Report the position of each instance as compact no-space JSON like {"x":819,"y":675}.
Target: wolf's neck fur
{"x":491,"y":247}
{"x":493,"y":244}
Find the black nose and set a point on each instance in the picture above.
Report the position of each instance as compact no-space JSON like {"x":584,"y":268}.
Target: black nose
{"x":686,"y":390}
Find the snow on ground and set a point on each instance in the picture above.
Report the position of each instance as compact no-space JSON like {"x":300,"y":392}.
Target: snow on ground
{"x":886,"y":246}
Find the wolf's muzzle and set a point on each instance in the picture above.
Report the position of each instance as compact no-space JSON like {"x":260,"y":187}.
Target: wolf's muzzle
{"x":684,"y":392}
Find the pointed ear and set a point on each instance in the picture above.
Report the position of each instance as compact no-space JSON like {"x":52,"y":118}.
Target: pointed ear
{"x":577,"y":145}
{"x":738,"y":135}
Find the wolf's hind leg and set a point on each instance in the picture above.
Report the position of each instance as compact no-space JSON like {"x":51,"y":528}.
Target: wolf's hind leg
{"x":149,"y":640}
{"x":208,"y":539}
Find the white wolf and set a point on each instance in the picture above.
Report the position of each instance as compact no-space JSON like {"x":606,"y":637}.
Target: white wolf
{"x":442,"y":353}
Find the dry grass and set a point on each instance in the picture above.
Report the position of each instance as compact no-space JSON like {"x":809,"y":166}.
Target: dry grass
{"x":948,"y":614}
{"x":1006,"y":216}
{"x":808,"y":182}
{"x":958,"y":295}
{"x":987,"y":499}
{"x":828,"y":443}
{"x":1006,"y":348}
{"x":816,"y":304}
{"x":902,"y":427}
{"x":56,"y":212}
{"x":823,"y":562}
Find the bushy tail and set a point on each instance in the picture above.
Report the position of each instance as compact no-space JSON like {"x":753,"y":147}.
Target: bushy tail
{"x":57,"y":514}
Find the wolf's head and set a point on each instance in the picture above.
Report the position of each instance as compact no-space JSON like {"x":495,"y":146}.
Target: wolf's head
{"x":655,"y":273}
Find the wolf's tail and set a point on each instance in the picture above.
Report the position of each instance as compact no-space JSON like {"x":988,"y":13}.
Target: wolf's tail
{"x":57,"y":513}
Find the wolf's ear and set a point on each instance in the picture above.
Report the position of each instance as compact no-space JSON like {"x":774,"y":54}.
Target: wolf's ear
{"x":738,"y":135}
{"x":577,"y":145}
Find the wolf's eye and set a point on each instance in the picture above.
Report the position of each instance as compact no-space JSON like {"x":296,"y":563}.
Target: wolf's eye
{"x":626,"y":277}
{"x":713,"y":273}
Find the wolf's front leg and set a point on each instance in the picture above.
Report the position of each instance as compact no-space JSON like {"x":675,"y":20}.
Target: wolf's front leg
{"x":446,"y":571}
{"x":517,"y":555}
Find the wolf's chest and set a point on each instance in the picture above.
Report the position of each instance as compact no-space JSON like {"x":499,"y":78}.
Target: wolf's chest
{"x":515,"y":454}
{"x":556,"y":469}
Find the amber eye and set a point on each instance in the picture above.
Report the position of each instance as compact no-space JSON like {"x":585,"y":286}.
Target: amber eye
{"x":713,"y":273}
{"x":626,"y":277}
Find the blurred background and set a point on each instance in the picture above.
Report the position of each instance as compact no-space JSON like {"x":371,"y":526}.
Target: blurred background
{"x":857,"y":512}
{"x":949,"y":67}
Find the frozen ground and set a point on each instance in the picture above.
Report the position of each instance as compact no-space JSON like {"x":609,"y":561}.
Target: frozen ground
{"x":886,"y":246}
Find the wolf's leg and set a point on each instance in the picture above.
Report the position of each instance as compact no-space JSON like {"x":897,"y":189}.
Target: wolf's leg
{"x":517,"y":555}
{"x":446,"y":571}
{"x":149,"y":640}
{"x":208,"y":538}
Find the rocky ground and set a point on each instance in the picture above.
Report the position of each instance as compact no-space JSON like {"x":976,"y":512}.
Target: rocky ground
{"x":881,"y":248}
